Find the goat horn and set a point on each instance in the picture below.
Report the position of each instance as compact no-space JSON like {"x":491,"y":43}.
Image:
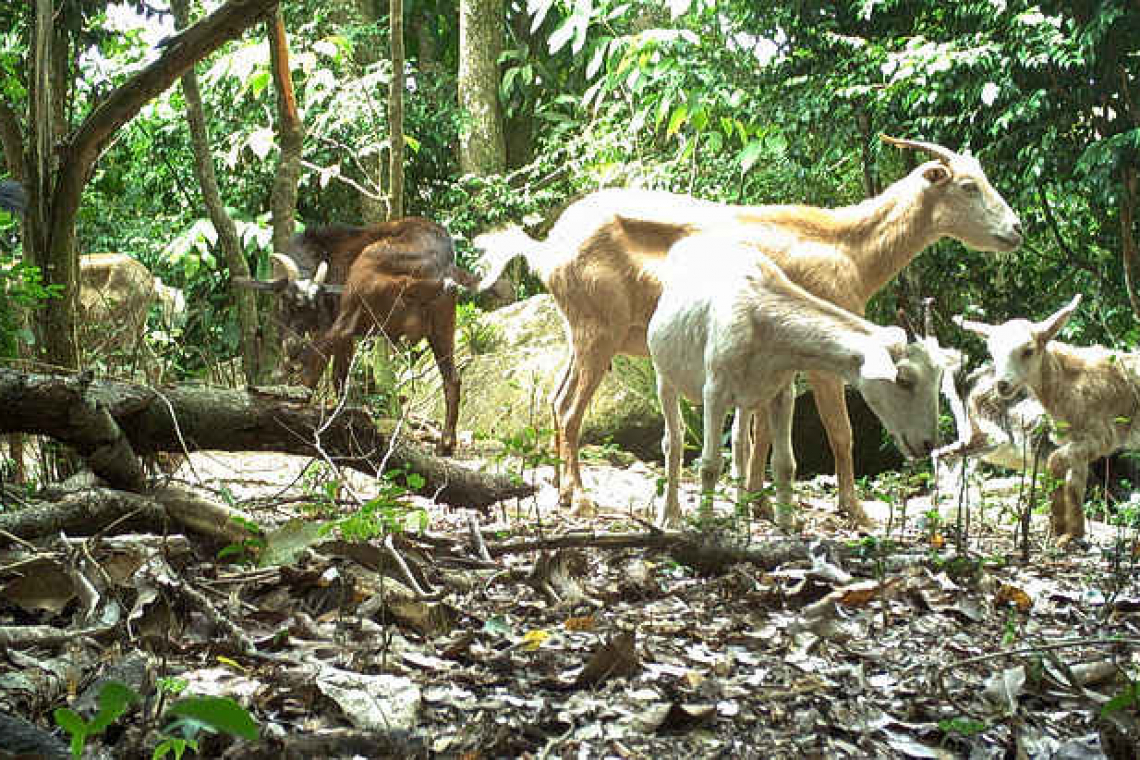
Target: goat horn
{"x":292,"y":271}
{"x":322,"y":273}
{"x":945,"y":155}
{"x":928,"y":317}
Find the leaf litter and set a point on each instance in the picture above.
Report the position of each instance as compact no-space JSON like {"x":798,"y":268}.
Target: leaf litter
{"x":537,"y":633}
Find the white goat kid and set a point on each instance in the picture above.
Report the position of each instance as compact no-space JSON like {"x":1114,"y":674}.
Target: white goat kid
{"x":734,"y":335}
{"x":1093,"y":391}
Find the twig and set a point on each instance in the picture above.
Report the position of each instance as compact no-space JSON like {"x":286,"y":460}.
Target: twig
{"x":477,"y":538}
{"x":941,"y":670}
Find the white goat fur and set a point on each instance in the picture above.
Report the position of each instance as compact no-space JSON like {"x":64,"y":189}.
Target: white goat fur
{"x":736,"y":335}
{"x":1003,"y":432}
{"x":601,"y":261}
{"x":1093,"y":390}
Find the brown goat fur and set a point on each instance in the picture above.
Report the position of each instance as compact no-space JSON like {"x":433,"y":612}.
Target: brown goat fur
{"x":396,"y":278}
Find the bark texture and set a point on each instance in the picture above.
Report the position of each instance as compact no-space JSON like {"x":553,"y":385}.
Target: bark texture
{"x":188,"y":418}
{"x":482,"y":149}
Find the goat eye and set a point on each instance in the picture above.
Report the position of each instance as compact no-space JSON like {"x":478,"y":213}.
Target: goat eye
{"x":905,"y":382}
{"x":1027,"y":352}
{"x":971,"y":187}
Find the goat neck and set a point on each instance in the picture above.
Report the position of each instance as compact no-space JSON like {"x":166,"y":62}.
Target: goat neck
{"x":882,"y":235}
{"x":808,"y":333}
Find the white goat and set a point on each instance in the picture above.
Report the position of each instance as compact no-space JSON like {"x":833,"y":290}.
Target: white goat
{"x":601,"y":259}
{"x":734,"y":335}
{"x":1005,"y":432}
{"x":1093,"y":391}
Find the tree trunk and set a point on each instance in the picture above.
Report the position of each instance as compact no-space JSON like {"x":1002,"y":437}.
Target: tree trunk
{"x":290,"y":138}
{"x":482,"y":148}
{"x":228,"y":237}
{"x":112,"y":419}
{"x":1127,"y":235}
{"x":396,"y":113}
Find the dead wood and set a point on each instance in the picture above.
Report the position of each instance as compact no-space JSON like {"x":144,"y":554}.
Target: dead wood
{"x":186,"y":418}
{"x":84,"y":512}
{"x":90,"y":510}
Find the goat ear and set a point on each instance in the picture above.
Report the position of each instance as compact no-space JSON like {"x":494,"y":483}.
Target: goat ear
{"x":980,"y":328}
{"x":936,"y":174}
{"x":878,"y":365}
{"x":1047,"y":329}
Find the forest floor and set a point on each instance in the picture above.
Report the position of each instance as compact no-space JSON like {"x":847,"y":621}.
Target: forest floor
{"x":571,"y":636}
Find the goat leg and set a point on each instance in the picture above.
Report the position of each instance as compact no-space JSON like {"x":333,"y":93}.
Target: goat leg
{"x":831,"y":403}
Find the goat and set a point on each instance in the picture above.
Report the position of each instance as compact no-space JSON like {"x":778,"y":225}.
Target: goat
{"x":1092,"y":391}
{"x":736,"y":335}
{"x":602,"y":257}
{"x":398,"y":278}
{"x":116,"y":292}
{"x":1010,"y":433}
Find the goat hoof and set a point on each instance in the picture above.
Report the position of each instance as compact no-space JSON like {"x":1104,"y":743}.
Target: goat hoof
{"x":583,"y":507}
{"x":856,"y":515}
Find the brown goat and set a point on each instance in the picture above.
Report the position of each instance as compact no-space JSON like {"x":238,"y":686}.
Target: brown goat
{"x":397,"y":278}
{"x":602,"y":263}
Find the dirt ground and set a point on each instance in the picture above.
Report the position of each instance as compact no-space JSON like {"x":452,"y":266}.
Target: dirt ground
{"x":573,"y":636}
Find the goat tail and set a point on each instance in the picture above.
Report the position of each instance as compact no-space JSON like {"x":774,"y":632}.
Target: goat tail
{"x":500,"y":248}
{"x":12,"y":196}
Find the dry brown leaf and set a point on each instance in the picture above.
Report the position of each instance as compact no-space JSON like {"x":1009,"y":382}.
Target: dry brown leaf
{"x":1009,"y":594}
{"x":587,"y":623}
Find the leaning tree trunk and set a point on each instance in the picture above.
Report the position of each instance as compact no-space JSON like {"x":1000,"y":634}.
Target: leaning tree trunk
{"x":227,"y":231}
{"x":291,"y":139}
{"x":482,"y":148}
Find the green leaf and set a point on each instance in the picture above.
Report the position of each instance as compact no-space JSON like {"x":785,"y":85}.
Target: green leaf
{"x":220,"y":714}
{"x":680,"y":113}
{"x":114,"y":699}
{"x":751,"y":153}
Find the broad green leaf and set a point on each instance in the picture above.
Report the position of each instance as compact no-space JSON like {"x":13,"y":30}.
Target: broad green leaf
{"x":680,"y":114}
{"x":220,"y":714}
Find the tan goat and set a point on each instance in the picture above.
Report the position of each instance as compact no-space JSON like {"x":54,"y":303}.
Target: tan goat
{"x":601,"y":263}
{"x":1093,"y":391}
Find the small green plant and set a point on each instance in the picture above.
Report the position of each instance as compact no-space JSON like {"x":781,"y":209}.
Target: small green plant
{"x":193,"y":716}
{"x":1128,"y":697}
{"x":387,"y":512}
{"x":114,"y":700}
{"x":528,"y":446}
{"x":962,"y":726}
{"x":475,"y":332}
{"x":247,"y":550}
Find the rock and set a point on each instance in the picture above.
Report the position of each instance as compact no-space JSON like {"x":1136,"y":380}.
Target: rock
{"x":508,"y":389}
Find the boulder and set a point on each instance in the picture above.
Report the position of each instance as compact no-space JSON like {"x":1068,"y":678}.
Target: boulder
{"x":508,"y":386}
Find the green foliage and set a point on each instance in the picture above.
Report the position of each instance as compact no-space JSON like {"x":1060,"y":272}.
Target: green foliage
{"x":190,"y":717}
{"x":21,"y":292}
{"x":114,"y":700}
{"x":479,"y":335}
{"x":388,"y":511}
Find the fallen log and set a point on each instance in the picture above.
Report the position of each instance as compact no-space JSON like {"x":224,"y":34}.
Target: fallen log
{"x":190,"y":417}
